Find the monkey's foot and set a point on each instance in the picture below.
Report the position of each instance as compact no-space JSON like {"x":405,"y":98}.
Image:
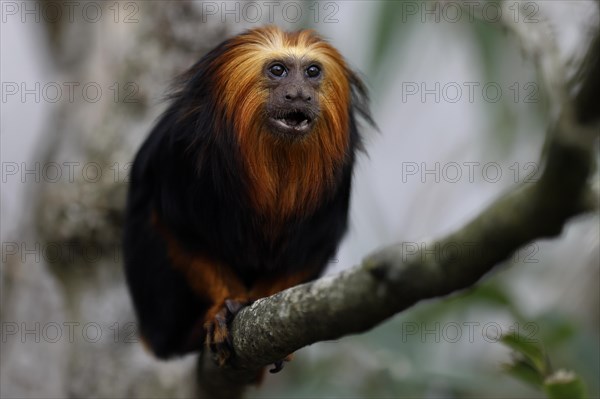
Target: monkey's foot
{"x":278,"y":365}
{"x":218,"y":339}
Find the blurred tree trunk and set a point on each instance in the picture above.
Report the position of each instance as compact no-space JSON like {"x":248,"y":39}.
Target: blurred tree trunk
{"x":77,"y":285}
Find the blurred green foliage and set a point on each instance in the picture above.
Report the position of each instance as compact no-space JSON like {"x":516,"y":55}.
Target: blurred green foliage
{"x":531,"y":364}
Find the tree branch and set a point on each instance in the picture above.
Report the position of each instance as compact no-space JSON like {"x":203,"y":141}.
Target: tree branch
{"x":396,"y":277}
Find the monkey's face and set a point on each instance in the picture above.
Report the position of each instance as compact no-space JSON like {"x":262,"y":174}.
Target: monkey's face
{"x":273,"y":84}
{"x":293,"y":104}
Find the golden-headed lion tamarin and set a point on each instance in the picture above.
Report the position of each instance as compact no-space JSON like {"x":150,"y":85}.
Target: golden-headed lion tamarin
{"x":242,"y":188}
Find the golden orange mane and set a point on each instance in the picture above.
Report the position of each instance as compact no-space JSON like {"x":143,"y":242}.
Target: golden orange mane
{"x":286,"y":177}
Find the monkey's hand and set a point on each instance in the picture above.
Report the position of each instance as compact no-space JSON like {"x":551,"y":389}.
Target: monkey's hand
{"x":218,"y":339}
{"x":217,"y":323}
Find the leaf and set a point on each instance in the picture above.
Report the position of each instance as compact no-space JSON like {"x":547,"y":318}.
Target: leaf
{"x":531,"y":351}
{"x":564,"y":384}
{"x":525,"y":371}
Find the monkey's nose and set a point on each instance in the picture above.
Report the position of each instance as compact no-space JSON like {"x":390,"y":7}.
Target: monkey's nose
{"x":297,"y":94}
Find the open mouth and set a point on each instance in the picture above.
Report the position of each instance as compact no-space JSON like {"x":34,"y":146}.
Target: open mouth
{"x":292,"y":122}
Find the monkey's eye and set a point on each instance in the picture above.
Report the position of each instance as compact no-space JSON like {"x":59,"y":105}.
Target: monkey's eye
{"x":278,"y":70}
{"x":313,"y":71}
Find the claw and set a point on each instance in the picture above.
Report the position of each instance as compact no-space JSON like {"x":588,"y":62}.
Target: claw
{"x":277,"y":367}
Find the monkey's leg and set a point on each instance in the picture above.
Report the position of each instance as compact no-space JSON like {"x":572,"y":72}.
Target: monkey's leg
{"x":222,"y":289}
{"x":167,"y":307}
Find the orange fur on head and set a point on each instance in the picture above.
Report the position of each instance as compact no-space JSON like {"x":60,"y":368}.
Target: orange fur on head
{"x":287,"y":178}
